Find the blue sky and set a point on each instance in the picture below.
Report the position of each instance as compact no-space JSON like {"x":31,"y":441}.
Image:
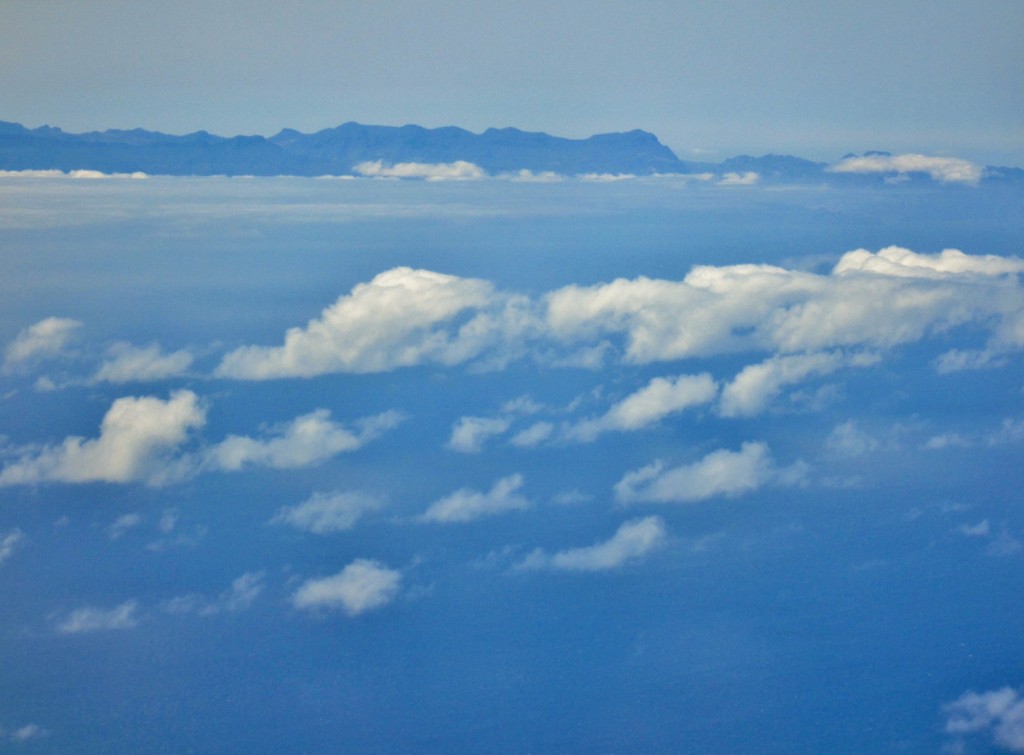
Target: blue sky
{"x":712,"y":79}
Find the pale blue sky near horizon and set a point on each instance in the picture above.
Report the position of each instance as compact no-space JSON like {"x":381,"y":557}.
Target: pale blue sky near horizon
{"x":711,"y":79}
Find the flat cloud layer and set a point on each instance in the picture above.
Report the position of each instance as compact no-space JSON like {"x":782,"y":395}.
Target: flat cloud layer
{"x":460,"y":170}
{"x":944,"y":169}
{"x":137,"y":442}
{"x":634,"y":539}
{"x":362,"y":586}
{"x":869,"y":301}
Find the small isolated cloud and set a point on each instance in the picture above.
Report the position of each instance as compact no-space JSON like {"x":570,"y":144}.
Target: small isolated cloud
{"x":720,"y":473}
{"x":958,"y":360}
{"x":324,"y":513}
{"x":395,"y":320}
{"x":470,"y":433}
{"x":944,"y":169}
{"x":239,"y":597}
{"x":996,"y":714}
{"x":9,"y":542}
{"x":47,"y":338}
{"x":466,"y":505}
{"x":633,"y":540}
{"x":362,"y":586}
{"x":661,"y":397}
{"x":533,"y":435}
{"x":528,"y":176}
{"x":981,"y":529}
{"x":28,"y":732}
{"x":740,"y":179}
{"x":91,"y":619}
{"x":123,"y":524}
{"x":460,"y":170}
{"x":849,"y":440}
{"x":138,"y":440}
{"x":127,"y":364}
{"x":310,"y":439}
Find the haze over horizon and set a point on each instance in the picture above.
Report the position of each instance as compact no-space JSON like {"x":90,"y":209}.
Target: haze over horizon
{"x":711,"y":80}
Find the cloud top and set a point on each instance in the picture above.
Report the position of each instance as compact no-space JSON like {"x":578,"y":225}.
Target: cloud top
{"x":944,"y":169}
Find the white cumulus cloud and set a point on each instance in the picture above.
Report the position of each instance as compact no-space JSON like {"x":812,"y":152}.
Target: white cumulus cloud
{"x":362,"y":586}
{"x":46,"y":338}
{"x":465,"y":505}
{"x":127,"y":363}
{"x":998,"y":714}
{"x":323,"y":513}
{"x":661,"y":397}
{"x":720,"y":473}
{"x":633,"y":539}
{"x":395,"y":320}
{"x":944,"y":169}
{"x":470,"y":433}
{"x":306,"y":440}
{"x":748,"y":178}
{"x":138,"y":441}
{"x":91,"y":619}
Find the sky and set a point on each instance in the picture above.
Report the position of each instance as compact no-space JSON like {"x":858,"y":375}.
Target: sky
{"x":711,"y":79}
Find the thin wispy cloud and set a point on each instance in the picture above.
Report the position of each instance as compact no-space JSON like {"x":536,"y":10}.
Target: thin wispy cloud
{"x":45,"y":339}
{"x":325,"y":513}
{"x":633,"y":540}
{"x":466,"y":504}
{"x":92,"y":619}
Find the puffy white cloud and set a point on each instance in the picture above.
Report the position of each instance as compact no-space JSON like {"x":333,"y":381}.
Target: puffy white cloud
{"x":127,"y":363}
{"x":661,"y":397}
{"x":306,"y":440}
{"x":944,"y":169}
{"x":90,"y":619}
{"x":470,"y":433}
{"x":755,"y":386}
{"x":847,"y":439}
{"x":10,"y":542}
{"x":46,"y":338}
{"x":465,"y":505}
{"x":869,"y":300}
{"x":720,"y":473}
{"x":390,"y":322}
{"x":361,"y":586}
{"x":633,"y":539}
{"x":323,"y":513}
{"x":748,"y":178}
{"x":996,"y":713}
{"x":460,"y":170}
{"x":138,"y":441}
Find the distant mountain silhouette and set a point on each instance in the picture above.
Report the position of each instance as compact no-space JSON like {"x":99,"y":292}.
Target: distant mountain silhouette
{"x":336,"y":151}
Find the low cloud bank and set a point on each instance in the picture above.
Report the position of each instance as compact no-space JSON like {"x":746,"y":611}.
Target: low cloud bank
{"x":943,"y":169}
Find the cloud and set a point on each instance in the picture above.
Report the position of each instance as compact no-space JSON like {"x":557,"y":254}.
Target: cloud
{"x":361,"y":586}
{"x":29,"y":732}
{"x":466,"y":505}
{"x":138,"y":441}
{"x":460,"y":170}
{"x":867,"y":301}
{"x":239,"y":597}
{"x":661,"y":397}
{"x":128,"y":364}
{"x":470,"y":433}
{"x":9,"y":542}
{"x":756,"y":385}
{"x":998,"y":714}
{"x":740,"y":179}
{"x":393,"y":321}
{"x":306,"y":440}
{"x":323,"y":513}
{"x":634,"y":539}
{"x":533,"y":435}
{"x":91,"y":619}
{"x":944,"y":169}
{"x":720,"y":473}
{"x":123,"y":524}
{"x":847,"y":439}
{"x":47,"y":338}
